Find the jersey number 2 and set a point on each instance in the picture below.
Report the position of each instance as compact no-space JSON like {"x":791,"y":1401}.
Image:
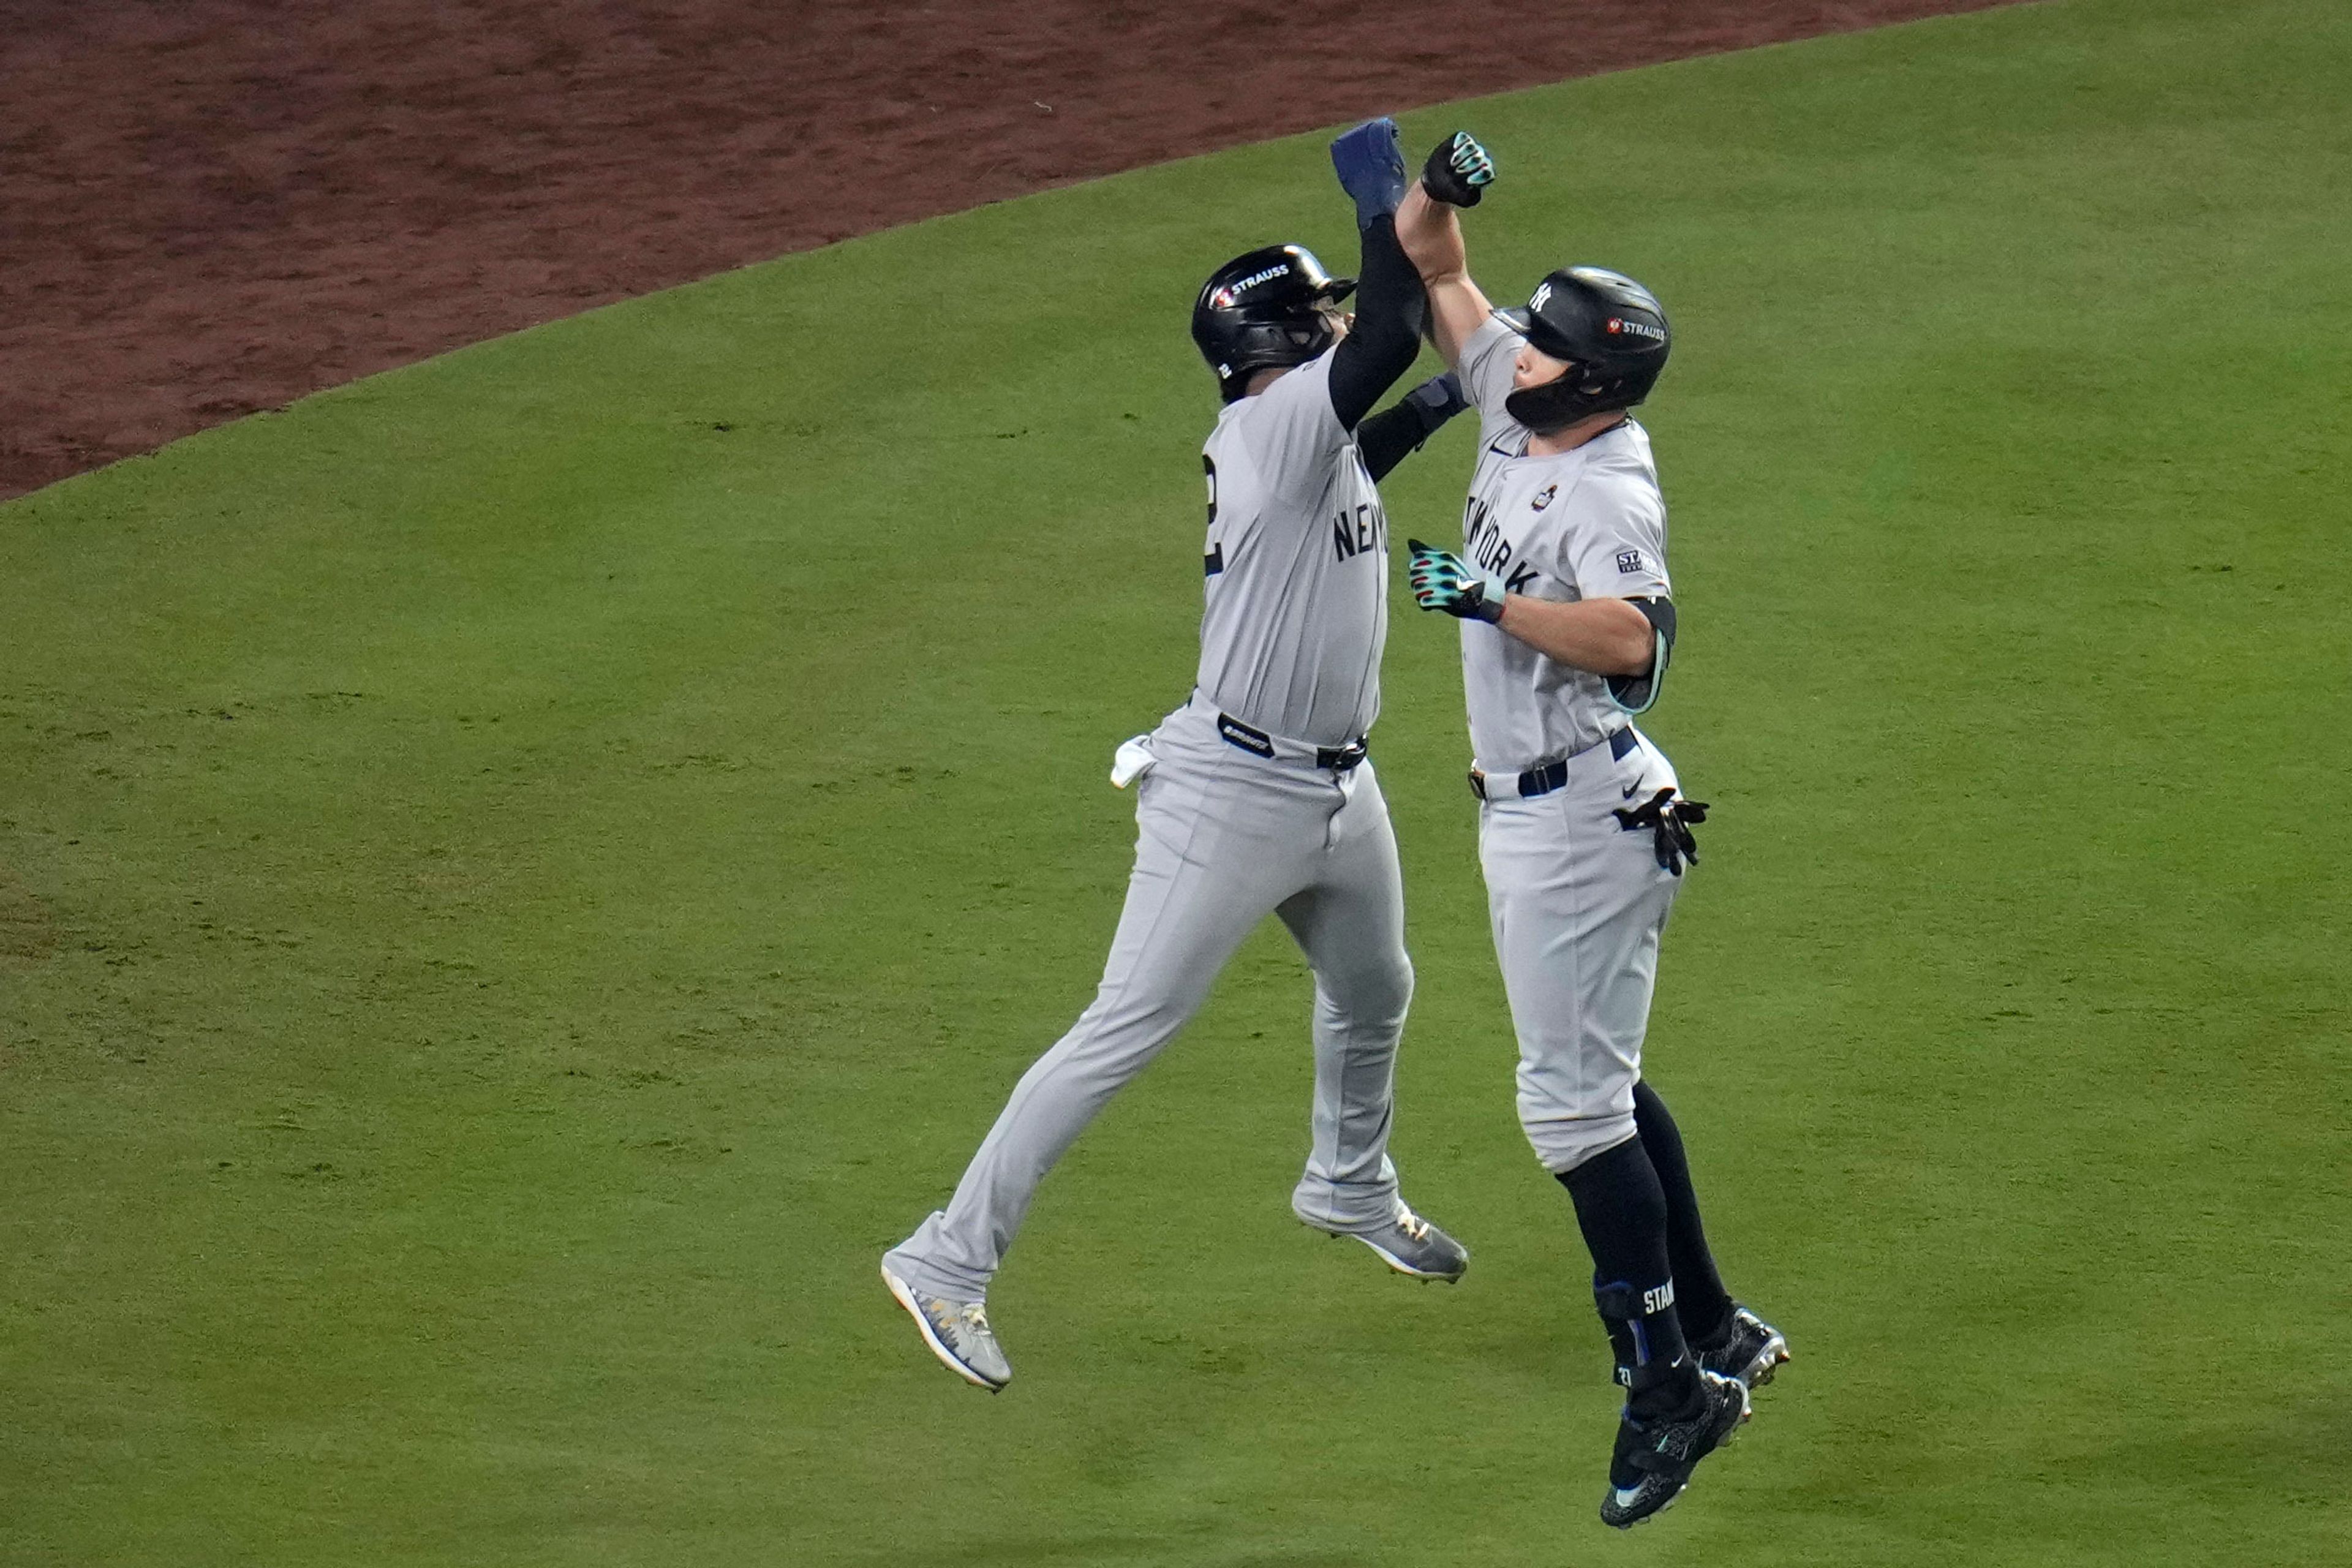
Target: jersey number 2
{"x":1213,"y":561}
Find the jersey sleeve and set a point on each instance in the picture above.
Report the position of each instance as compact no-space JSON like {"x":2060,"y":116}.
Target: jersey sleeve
{"x":1617,"y":550}
{"x":1617,"y":547}
{"x":1292,"y":433}
{"x":1486,"y":370}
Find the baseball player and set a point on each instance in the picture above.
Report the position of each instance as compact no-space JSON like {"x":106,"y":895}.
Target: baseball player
{"x":1567,"y":622}
{"x":1256,"y":798}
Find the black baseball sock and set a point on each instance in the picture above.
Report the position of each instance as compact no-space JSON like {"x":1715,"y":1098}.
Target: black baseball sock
{"x":1621,"y":1209}
{"x":1699,"y":1295}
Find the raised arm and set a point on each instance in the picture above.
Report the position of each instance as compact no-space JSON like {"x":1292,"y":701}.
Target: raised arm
{"x":1397,"y":432}
{"x":1386,"y":337}
{"x":1429,"y":228}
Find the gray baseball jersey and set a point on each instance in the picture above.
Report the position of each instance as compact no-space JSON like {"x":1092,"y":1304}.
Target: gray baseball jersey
{"x":1584,"y":525}
{"x":1298,"y":566}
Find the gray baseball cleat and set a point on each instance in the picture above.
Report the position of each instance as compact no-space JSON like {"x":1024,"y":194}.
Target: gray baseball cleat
{"x":1410,"y":1245}
{"x":957,"y":1333}
{"x":1752,"y":1350}
{"x":1663,"y":1450}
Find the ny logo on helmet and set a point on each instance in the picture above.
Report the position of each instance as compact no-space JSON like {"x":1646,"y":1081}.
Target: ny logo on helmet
{"x":1542,"y":293}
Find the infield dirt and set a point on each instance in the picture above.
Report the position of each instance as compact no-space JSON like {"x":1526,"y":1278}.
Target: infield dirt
{"x":218,"y":206}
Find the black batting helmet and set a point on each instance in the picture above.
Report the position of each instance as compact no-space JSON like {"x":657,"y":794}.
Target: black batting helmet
{"x":1611,"y":331}
{"x":1264,"y":309}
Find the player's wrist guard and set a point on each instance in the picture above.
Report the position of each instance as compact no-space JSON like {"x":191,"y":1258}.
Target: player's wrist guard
{"x":1458,"y":171}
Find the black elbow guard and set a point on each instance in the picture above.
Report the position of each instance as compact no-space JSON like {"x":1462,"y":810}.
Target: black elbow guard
{"x":1639,"y":693}
{"x":1436,"y":401}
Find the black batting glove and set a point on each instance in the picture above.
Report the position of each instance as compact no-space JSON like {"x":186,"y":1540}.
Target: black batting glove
{"x":1669,"y":817}
{"x":1458,"y":171}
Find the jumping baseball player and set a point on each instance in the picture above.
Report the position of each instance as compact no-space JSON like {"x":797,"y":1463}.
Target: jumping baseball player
{"x":1567,"y":622}
{"x":1256,"y":798}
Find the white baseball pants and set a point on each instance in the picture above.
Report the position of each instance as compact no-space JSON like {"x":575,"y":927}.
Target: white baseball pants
{"x":1577,"y":906}
{"x":1224,"y":837}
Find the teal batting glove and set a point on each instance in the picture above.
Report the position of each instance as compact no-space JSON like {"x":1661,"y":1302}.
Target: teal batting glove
{"x":1442,"y":580}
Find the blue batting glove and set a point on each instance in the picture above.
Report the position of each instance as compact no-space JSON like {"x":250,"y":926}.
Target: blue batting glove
{"x":1370,"y":168}
{"x":1442,"y":580}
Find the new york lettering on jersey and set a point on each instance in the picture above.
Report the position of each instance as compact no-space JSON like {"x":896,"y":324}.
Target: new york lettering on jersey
{"x":1485,"y":544}
{"x":1295,"y":566}
{"x":1359,"y":529}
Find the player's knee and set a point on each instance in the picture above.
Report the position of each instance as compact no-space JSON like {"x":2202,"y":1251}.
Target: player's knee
{"x":1563,"y":1144}
{"x":1379,"y":996}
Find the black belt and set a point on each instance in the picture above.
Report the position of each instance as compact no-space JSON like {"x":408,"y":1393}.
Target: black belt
{"x":1548,"y":777}
{"x":1258,"y":743}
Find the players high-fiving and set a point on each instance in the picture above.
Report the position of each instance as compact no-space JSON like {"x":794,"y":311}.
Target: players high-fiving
{"x":1256,"y":795}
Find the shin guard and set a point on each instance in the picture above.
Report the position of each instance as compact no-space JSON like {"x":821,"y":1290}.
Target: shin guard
{"x":1654,"y":1367}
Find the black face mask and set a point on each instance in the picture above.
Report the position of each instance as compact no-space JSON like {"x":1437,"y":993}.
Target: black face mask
{"x":1560,"y":403}
{"x":1585,"y":388}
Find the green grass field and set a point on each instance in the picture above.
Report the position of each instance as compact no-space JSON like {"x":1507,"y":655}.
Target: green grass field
{"x":519,"y":878}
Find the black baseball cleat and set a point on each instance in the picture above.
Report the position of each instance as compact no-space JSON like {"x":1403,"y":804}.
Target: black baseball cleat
{"x":1751,"y":1351}
{"x":1661,"y":1452}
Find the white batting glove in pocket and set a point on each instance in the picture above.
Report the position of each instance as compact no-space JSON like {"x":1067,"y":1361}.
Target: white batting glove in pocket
{"x":1132,"y":761}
